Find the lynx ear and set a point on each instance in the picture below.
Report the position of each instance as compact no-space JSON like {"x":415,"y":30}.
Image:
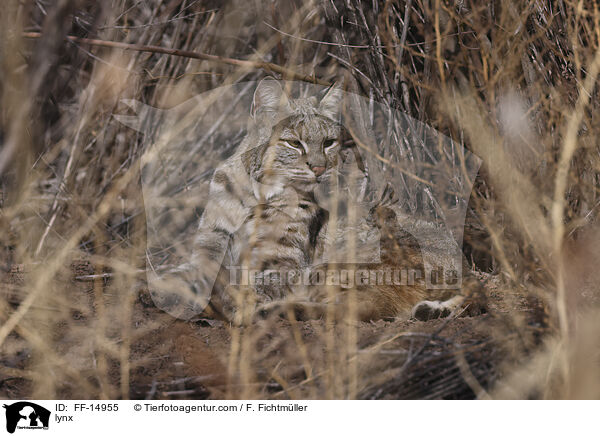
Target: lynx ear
{"x":269,"y":97}
{"x":331,"y":103}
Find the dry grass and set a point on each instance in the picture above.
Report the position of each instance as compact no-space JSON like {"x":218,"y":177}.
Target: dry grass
{"x":513,"y":82}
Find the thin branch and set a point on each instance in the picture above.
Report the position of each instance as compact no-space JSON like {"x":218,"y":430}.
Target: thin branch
{"x":267,"y":66}
{"x":160,"y":23}
{"x":314,"y":41}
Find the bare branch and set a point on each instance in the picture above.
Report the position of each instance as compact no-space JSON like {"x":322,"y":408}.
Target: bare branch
{"x":286,"y":73}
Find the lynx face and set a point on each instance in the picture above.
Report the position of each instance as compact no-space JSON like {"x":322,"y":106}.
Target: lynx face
{"x":302,"y":147}
{"x":303,"y":151}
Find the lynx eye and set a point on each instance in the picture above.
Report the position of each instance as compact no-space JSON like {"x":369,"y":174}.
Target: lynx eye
{"x":293,"y":143}
{"x":329,"y":143}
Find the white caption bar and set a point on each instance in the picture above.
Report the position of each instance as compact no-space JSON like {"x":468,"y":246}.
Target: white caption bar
{"x":306,"y":418}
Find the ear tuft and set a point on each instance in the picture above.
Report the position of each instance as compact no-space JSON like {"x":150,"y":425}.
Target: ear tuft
{"x":269,"y":97}
{"x":331,"y":103}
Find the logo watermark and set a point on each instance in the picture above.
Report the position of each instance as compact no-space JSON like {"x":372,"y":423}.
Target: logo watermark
{"x":25,"y":415}
{"x":431,"y":175}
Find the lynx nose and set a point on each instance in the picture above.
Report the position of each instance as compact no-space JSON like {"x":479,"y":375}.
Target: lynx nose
{"x":318,"y":170}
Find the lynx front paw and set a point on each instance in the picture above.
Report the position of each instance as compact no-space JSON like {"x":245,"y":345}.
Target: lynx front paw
{"x":426,"y":310}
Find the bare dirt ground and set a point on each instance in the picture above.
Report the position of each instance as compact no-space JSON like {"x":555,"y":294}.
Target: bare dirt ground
{"x":174,"y":359}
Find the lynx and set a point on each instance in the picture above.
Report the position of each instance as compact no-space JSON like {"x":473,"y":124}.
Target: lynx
{"x":263,"y":216}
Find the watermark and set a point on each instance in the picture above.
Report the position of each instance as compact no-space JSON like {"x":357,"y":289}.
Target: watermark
{"x":25,"y":415}
{"x":201,"y":182}
{"x":345,"y":278}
